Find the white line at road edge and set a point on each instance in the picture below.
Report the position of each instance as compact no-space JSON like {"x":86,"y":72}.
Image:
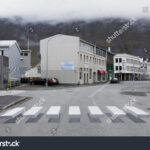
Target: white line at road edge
{"x":98,"y":90}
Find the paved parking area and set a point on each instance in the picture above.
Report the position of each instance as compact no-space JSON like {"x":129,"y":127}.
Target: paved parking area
{"x":103,"y":95}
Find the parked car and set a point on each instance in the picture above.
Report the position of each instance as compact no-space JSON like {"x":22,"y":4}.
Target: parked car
{"x":42,"y":81}
{"x":114,"y":80}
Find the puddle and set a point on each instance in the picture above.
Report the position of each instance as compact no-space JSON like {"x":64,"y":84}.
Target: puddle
{"x":134,"y":93}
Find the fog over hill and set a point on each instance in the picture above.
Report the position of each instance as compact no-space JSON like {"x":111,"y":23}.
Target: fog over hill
{"x":134,"y":40}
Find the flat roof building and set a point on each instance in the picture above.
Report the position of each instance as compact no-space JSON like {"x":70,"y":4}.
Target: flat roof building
{"x":127,"y":67}
{"x":72,"y":60}
{"x":12,"y":50}
{"x":25,"y":57}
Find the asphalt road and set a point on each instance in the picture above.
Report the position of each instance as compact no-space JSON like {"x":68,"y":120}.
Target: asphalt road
{"x":136,"y":93}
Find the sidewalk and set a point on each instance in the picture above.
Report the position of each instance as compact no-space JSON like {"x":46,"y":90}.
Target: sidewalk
{"x":9,"y":100}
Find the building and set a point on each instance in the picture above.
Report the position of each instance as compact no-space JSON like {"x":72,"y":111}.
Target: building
{"x":25,"y":57}
{"x":110,"y":63}
{"x":4,"y":71}
{"x":12,"y":50}
{"x":145,"y":70}
{"x":148,"y":70}
{"x":72,"y":60}
{"x":127,"y":67}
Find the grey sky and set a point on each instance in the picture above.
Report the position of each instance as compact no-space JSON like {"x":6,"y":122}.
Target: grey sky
{"x":62,"y":10}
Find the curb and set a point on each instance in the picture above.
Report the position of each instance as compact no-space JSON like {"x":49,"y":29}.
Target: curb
{"x":13,"y":103}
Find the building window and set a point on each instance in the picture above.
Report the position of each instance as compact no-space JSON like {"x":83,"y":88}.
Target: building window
{"x":21,"y":54}
{"x":86,"y":47}
{"x":116,"y":67}
{"x":116,"y":60}
{"x":25,"y":54}
{"x":120,"y":67}
{"x":80,"y":73}
{"x":100,"y":61}
{"x":90,"y":73}
{"x":120,"y":60}
{"x":90,"y":59}
{"x":84,"y":58}
{"x":81,"y":57}
{"x":87,"y":58}
{"x":103,"y":62}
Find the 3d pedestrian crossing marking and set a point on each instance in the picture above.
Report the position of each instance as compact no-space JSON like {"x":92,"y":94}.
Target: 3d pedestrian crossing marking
{"x":54,"y":112}
{"x":33,"y":112}
{"x":95,"y":112}
{"x":10,"y":114}
{"x":115,"y":111}
{"x":136,"y":111}
{"x":74,"y":112}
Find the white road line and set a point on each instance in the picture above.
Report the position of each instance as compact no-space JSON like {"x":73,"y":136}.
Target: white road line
{"x":95,"y":112}
{"x":33,"y":112}
{"x":115,"y":111}
{"x":74,"y":112}
{"x":10,"y":114}
{"x":136,"y":111}
{"x":98,"y":90}
{"x":54,"y":112}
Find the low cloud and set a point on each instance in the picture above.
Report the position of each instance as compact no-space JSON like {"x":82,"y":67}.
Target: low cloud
{"x":65,"y":10}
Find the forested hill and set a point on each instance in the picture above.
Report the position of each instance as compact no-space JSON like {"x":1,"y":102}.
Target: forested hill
{"x":133,"y":40}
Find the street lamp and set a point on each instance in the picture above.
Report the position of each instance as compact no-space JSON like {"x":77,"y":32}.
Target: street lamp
{"x":46,"y":84}
{"x":30,"y":30}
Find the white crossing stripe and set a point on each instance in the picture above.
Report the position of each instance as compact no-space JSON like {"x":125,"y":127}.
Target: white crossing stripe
{"x":54,"y":112}
{"x":33,"y":112}
{"x":136,"y":111}
{"x":74,"y":112}
{"x":115,"y":111}
{"x":95,"y":112}
{"x":10,"y":114}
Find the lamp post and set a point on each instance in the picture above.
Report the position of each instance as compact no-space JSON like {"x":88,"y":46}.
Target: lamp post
{"x":30,"y":29}
{"x":46,"y":84}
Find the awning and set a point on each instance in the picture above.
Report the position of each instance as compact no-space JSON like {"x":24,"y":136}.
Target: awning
{"x":102,"y":71}
{"x":105,"y":71}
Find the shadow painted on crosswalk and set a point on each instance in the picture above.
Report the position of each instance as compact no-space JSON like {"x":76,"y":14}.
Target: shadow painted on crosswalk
{"x":94,"y":119}
{"x":35,"y":120}
{"x":54,"y":120}
{"x":135,"y":119}
{"x":13,"y":120}
{"x":114,"y":119}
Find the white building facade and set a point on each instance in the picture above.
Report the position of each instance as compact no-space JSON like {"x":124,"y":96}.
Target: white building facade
{"x":127,"y":67}
{"x":12,"y":50}
{"x":72,"y":60}
{"x":25,"y":58}
{"x":145,"y":70}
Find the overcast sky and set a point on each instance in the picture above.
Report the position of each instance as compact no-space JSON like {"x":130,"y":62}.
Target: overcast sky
{"x":63,"y":10}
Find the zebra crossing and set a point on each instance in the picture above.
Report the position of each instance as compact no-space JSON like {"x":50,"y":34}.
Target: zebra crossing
{"x":74,"y":112}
